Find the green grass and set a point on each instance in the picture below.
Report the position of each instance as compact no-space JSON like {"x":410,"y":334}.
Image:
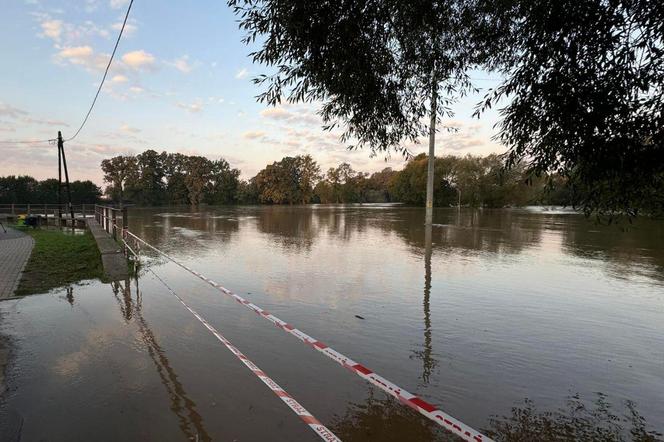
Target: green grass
{"x":59,"y":259}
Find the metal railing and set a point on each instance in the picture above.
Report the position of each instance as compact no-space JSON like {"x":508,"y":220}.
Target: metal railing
{"x":80,"y":210}
{"x":110,"y":218}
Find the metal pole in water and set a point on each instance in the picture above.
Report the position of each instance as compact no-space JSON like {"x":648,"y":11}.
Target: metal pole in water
{"x":432,"y":148}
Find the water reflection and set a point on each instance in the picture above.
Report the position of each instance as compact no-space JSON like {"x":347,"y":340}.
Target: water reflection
{"x":426,"y":354}
{"x":189,"y":420}
{"x":290,"y":227}
{"x":579,"y":420}
{"x":385,"y":420}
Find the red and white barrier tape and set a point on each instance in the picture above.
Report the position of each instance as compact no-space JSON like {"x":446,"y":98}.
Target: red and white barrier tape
{"x":320,"y":429}
{"x":430,"y":411}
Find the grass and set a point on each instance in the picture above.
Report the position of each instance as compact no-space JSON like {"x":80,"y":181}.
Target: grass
{"x":59,"y":259}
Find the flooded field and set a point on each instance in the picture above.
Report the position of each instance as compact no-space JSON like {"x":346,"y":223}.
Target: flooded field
{"x":490,"y":310}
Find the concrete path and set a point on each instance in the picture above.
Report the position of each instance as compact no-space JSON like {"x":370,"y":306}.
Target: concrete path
{"x":112,"y":257}
{"x":15,"y":249}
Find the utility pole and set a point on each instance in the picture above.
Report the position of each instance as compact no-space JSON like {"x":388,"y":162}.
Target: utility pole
{"x":432,"y":148}
{"x":59,"y":182}
{"x":61,"y":151}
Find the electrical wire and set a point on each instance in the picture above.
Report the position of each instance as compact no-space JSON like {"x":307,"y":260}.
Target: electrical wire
{"x":108,"y":66}
{"x":25,"y":141}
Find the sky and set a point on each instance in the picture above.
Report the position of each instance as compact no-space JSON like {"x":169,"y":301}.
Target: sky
{"x":180,"y":82}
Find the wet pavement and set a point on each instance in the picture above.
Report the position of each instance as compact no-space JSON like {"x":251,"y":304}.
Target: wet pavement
{"x":15,"y":249}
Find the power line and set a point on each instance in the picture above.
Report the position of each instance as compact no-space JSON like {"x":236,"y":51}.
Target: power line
{"x":26,"y":141}
{"x":117,"y":42}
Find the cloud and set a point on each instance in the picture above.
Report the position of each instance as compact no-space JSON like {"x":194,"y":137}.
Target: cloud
{"x":253,"y":134}
{"x":71,"y":34}
{"x":117,"y":4}
{"x":128,"y":30}
{"x":128,"y":129}
{"x":191,"y":108}
{"x":10,"y":111}
{"x":242,"y":73}
{"x":276,"y":113}
{"x":52,"y":29}
{"x":138,"y":59}
{"x":83,"y":56}
{"x":302,"y":114}
{"x":117,"y":79}
{"x":76,"y":52}
{"x":182,"y":64}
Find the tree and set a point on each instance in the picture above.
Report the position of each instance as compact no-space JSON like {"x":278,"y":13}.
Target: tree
{"x":150,"y":181}
{"x":174,"y":171}
{"x":224,"y":183}
{"x":17,"y":189}
{"x":309,"y":174}
{"x":84,"y":192}
{"x":409,"y":185}
{"x":288,"y":181}
{"x":119,"y":172}
{"x":373,"y":64}
{"x":585,"y":79}
{"x":586,"y":91}
{"x":198,"y":170}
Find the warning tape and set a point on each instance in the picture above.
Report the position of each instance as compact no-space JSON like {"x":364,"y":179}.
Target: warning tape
{"x":320,"y":429}
{"x":443,"y":419}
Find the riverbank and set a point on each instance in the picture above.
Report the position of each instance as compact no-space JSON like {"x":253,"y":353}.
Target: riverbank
{"x":59,"y":258}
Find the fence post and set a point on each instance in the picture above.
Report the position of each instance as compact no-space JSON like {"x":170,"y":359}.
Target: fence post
{"x":125,"y":227}
{"x":106,"y":223}
{"x":13,"y":209}
{"x":28,"y":209}
{"x":83,"y":210}
{"x":114,"y":224}
{"x":125,"y":223}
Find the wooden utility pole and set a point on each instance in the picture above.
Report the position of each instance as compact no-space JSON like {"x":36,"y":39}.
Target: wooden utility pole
{"x":61,"y":151}
{"x":59,"y":220}
{"x":432,"y":148}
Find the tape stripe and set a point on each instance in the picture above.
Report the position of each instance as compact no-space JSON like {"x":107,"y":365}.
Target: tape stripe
{"x":443,"y":419}
{"x":313,"y":423}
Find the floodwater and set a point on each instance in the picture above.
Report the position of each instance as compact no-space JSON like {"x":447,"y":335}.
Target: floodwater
{"x":486,"y":310}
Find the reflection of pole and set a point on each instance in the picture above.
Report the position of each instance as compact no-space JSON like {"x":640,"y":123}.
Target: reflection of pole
{"x":70,"y":295}
{"x":427,"y":360}
{"x":180,"y":401}
{"x":432,"y":148}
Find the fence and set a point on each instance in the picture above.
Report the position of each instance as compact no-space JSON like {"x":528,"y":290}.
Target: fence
{"x":110,"y":218}
{"x":80,"y":210}
{"x":58,"y":214}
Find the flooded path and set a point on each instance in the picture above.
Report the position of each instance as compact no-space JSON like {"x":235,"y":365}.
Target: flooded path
{"x":499,"y":306}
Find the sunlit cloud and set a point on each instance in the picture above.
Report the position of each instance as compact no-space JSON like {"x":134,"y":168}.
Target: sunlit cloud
{"x":182,"y":64}
{"x":119,"y":79}
{"x":52,"y":29}
{"x":138,"y":59}
{"x":253,"y":134}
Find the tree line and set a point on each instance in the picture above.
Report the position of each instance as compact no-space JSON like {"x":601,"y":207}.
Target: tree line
{"x":153,"y":178}
{"x":24,"y":189}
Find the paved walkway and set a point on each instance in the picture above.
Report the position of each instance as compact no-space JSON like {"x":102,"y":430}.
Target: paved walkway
{"x":15,"y":249}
